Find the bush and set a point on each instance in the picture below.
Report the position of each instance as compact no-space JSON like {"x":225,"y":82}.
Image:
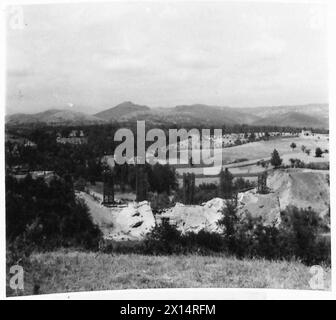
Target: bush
{"x":297,"y":163}
{"x":240,"y":184}
{"x":163,"y":239}
{"x":203,"y":242}
{"x":47,"y":216}
{"x":203,"y":193}
{"x":166,"y":239}
{"x":307,"y":151}
{"x":318,"y":152}
{"x":298,"y":236}
{"x":318,"y":165}
{"x":253,"y":239}
{"x":127,"y":246}
{"x":159,"y":202}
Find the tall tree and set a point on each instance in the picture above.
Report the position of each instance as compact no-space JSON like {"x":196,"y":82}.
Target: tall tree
{"x":275,"y":159}
{"x":293,"y":145}
{"x":226,"y":184}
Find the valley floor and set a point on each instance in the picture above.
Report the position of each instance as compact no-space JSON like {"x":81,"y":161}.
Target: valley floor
{"x":62,"y":271}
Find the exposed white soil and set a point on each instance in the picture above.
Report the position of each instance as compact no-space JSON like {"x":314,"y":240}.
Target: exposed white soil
{"x":302,"y":188}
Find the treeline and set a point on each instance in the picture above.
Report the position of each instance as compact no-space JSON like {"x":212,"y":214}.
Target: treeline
{"x":228,"y":186}
{"x":158,"y":178}
{"x":73,"y":158}
{"x":45,"y":216}
{"x":107,"y":129}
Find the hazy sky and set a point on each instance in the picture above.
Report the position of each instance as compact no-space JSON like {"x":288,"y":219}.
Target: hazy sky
{"x":89,"y":57}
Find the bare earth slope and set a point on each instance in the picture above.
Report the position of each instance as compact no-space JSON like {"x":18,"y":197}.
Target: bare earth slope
{"x":302,"y":188}
{"x":129,"y":222}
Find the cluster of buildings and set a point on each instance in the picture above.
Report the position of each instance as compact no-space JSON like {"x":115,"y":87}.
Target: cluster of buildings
{"x":230,"y":139}
{"x":20,"y":172}
{"x":74,"y":137}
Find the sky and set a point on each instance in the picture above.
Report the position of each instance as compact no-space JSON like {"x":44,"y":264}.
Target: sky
{"x":90,"y":57}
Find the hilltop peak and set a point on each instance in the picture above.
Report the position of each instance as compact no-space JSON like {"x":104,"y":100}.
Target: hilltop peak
{"x":120,"y":110}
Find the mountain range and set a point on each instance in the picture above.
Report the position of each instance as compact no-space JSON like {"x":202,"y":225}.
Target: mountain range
{"x":53,"y":117}
{"x":309,"y":115}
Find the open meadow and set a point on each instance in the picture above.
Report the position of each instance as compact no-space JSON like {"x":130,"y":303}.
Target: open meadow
{"x":66,"y":271}
{"x":253,"y":152}
{"x":262,"y":149}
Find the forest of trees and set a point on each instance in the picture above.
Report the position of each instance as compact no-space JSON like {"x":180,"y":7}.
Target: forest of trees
{"x":47,"y":215}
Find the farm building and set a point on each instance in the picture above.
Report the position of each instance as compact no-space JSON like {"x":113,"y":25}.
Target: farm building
{"x":74,"y":137}
{"x":306,"y":133}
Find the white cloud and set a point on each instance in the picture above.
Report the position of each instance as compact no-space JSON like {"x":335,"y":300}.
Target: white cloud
{"x":97,"y":55}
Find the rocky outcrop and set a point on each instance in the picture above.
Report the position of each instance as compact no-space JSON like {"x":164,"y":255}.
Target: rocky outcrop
{"x":193,"y":218}
{"x":132,"y":222}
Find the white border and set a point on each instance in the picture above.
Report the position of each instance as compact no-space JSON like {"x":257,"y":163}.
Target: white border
{"x":174,"y":294}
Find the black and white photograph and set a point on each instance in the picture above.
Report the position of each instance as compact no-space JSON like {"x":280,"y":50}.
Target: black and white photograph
{"x":166,"y":145}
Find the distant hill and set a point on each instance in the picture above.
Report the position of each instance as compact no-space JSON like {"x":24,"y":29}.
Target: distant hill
{"x":121,"y":110}
{"x":216,"y":115}
{"x":293,"y":119}
{"x":196,"y":114}
{"x":53,"y":117}
{"x":319,"y":109}
{"x":314,"y":115}
{"x":307,"y":115}
{"x":310,"y":116}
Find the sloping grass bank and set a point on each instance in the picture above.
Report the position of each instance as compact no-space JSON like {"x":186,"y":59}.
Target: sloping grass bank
{"x":62,"y":271}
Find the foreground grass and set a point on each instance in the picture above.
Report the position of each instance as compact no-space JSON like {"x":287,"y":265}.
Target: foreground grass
{"x":62,"y":271}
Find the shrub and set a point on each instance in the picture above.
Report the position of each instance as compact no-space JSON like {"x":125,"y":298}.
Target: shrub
{"x":159,"y":202}
{"x":166,"y":239}
{"x":203,"y":242}
{"x":127,"y":246}
{"x":297,"y":163}
{"x":240,"y":184}
{"x":318,"y":152}
{"x":318,"y":165}
{"x":299,"y":236}
{"x":163,"y":239}
{"x":202,"y":195}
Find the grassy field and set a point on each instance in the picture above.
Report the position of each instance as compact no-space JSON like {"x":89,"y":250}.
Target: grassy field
{"x":254,"y":152}
{"x":263,"y":149}
{"x":62,"y":271}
